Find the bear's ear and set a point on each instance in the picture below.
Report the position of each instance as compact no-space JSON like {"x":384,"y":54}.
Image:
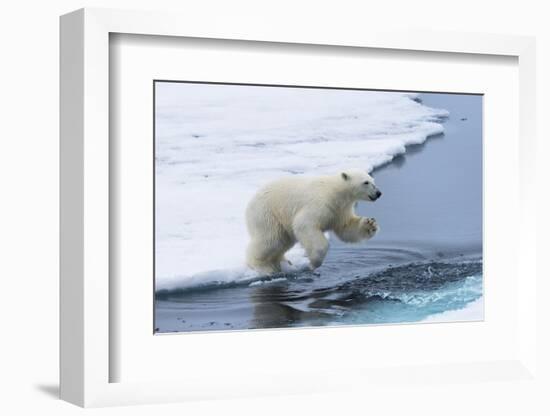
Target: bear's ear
{"x":345,"y":176}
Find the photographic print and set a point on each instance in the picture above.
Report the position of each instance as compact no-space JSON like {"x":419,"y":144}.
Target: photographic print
{"x":288,"y":206}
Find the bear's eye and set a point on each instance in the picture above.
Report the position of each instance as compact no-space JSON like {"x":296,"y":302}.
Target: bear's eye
{"x":366,"y":183}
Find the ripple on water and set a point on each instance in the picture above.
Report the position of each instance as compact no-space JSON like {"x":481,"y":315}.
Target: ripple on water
{"x":358,"y":290}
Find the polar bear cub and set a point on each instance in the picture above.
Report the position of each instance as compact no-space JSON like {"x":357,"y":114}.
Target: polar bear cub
{"x":300,"y":209}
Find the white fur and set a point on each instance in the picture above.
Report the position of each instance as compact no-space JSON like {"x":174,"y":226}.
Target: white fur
{"x":301,"y":209}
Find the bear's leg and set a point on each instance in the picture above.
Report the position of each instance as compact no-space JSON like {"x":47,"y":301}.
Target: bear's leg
{"x":266,"y":252}
{"x":261,"y":257}
{"x":313,"y":240}
{"x":356,"y":229}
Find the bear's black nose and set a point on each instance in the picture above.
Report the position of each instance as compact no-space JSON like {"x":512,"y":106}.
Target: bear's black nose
{"x":378,"y":194}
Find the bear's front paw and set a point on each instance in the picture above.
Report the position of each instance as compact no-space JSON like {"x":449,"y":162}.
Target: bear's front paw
{"x":369,"y":226}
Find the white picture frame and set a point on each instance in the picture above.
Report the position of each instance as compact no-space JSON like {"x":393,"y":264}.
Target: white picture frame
{"x":85,"y":222}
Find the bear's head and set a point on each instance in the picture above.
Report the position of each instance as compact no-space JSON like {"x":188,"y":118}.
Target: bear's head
{"x":361,"y":185}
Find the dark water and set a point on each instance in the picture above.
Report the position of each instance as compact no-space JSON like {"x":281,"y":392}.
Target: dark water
{"x":426,"y":259}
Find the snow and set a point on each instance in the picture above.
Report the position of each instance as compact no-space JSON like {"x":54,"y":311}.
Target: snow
{"x":217,"y":144}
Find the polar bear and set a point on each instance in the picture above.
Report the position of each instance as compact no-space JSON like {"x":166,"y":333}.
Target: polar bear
{"x":300,"y":209}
